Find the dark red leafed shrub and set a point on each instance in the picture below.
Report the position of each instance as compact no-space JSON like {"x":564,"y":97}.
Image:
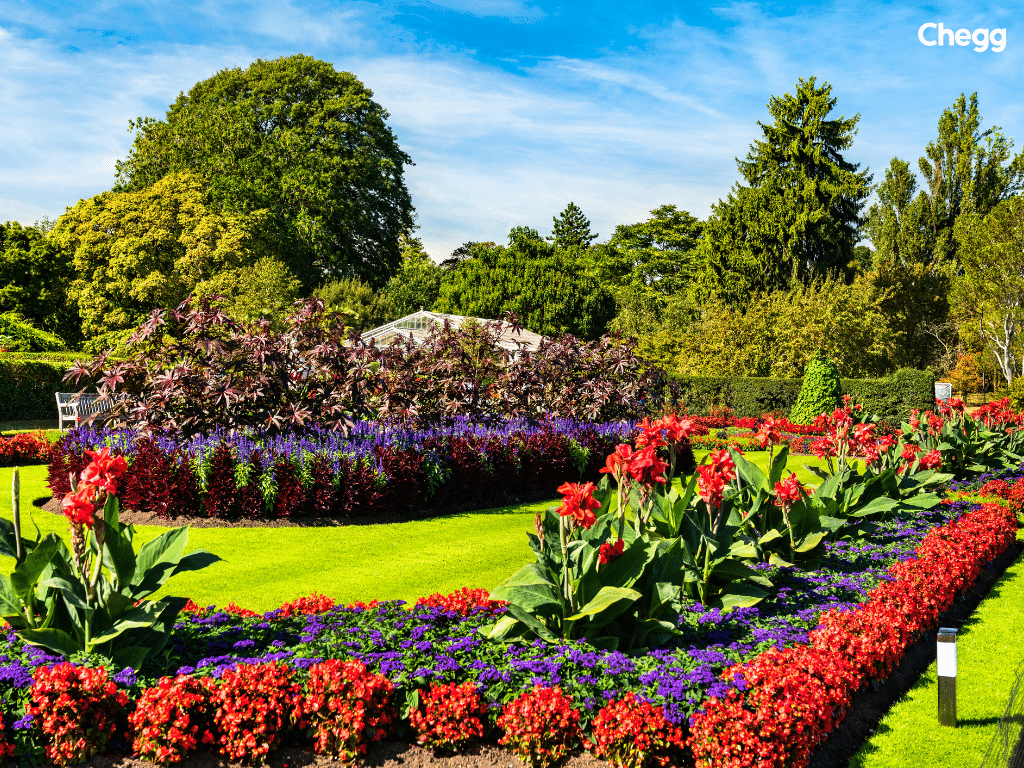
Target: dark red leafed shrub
{"x":449,"y":717}
{"x":250,"y":495}
{"x":291,"y":498}
{"x":465,"y":602}
{"x":630,"y":733}
{"x":148,"y":483}
{"x":185,"y":500}
{"x":323,"y":500}
{"x":219,"y":500}
{"x":346,"y":708}
{"x":64,"y":462}
{"x":363,"y":495}
{"x":314,"y":604}
{"x":173,"y":719}
{"x":506,"y":472}
{"x":468,"y":483}
{"x":547,"y":461}
{"x":406,"y":488}
{"x":254,"y":705}
{"x":79,"y":710}
{"x":540,"y":726}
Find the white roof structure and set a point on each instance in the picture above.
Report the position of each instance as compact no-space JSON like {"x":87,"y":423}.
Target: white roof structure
{"x":417,"y":325}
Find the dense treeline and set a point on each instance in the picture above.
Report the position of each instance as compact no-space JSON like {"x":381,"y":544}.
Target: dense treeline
{"x":283,"y":180}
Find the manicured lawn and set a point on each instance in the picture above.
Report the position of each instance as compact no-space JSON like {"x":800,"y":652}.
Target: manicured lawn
{"x":31,"y":425}
{"x":265,"y":567}
{"x":989,"y":650}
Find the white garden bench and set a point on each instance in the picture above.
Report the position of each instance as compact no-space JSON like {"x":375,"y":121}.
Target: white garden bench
{"x":72,"y":407}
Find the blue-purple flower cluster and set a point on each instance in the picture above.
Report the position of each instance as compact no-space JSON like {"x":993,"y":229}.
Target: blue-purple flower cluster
{"x":362,"y":442}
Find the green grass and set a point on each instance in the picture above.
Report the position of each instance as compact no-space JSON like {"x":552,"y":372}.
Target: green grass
{"x":989,"y":650}
{"x":265,"y":567}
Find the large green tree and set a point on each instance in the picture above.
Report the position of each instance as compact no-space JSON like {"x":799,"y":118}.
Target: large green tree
{"x":966,"y":170}
{"x":910,"y":279}
{"x":301,"y":141}
{"x":550,"y":292}
{"x":34,"y":280}
{"x":989,"y":292}
{"x":416,"y":284}
{"x":798,"y":214}
{"x":134,"y":251}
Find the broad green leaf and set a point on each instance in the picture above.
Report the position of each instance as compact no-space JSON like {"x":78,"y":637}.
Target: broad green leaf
{"x":749,"y":473}
{"x":10,"y":603}
{"x":52,"y":639}
{"x":27,"y":573}
{"x":810,"y":541}
{"x":130,"y":656}
{"x":741,"y":595}
{"x":157,"y":560}
{"x":610,"y":603}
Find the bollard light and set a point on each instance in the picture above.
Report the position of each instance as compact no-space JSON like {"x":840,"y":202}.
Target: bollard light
{"x":945,"y":654}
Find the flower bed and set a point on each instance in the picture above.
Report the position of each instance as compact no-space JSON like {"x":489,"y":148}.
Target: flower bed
{"x":24,"y":448}
{"x":810,"y":646}
{"x":370,"y":473}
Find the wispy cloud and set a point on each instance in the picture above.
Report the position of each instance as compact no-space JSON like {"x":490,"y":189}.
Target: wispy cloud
{"x":509,"y":108}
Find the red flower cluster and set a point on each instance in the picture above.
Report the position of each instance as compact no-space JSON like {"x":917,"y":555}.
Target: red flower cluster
{"x":78,"y":710}
{"x":931,"y":460}
{"x":579,"y":502}
{"x":668,"y":430}
{"x":1004,"y":490}
{"x":795,"y":696}
{"x":540,"y":726}
{"x":449,"y":716}
{"x":998,"y":413}
{"x":644,"y":465}
{"x":464,"y":602}
{"x":172,"y":719}
{"x":608,"y":551}
{"x":770,"y":432}
{"x":714,"y":476}
{"x":789,"y":491}
{"x":346,"y":708}
{"x":630,"y":733}
{"x":24,"y":448}
{"x":254,"y":704}
{"x":314,"y":604}
{"x":237,"y":610}
{"x":100,"y":476}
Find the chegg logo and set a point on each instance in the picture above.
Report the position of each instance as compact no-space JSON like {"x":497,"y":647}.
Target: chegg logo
{"x":931,"y":33}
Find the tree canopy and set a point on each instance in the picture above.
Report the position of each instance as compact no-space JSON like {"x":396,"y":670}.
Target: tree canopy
{"x":548,"y":291}
{"x":301,"y":144}
{"x":799,"y":214}
{"x":134,"y":251}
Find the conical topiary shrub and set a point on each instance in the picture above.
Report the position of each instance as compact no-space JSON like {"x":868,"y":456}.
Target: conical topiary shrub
{"x":820,"y":392}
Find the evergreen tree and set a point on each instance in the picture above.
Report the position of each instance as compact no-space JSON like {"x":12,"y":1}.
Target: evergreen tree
{"x":799,"y":214}
{"x":571,"y":229}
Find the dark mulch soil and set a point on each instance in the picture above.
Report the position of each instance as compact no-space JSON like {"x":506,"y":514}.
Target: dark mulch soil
{"x":387,"y":754}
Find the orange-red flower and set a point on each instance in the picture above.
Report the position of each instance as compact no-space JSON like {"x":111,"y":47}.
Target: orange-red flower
{"x":579,"y":503}
{"x":788,"y":491}
{"x":78,"y":507}
{"x":608,"y":551}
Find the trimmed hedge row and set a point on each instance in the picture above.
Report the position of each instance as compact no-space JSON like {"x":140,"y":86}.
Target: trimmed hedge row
{"x":28,"y":382}
{"x":891,"y":398}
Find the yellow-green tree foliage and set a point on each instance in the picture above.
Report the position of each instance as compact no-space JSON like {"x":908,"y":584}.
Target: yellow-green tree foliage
{"x":265,"y":290}
{"x":775,"y":332}
{"x":136,"y":251}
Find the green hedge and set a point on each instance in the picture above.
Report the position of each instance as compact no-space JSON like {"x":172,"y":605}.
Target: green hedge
{"x":891,"y":398}
{"x":28,"y":382}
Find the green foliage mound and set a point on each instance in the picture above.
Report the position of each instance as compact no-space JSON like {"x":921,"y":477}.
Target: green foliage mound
{"x":820,"y":392}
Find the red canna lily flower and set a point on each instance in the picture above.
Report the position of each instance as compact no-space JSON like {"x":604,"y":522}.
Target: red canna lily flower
{"x":608,"y":551}
{"x":579,"y":503}
{"x":78,"y":507}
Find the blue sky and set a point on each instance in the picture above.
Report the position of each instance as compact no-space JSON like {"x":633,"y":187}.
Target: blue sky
{"x":508,"y":108}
